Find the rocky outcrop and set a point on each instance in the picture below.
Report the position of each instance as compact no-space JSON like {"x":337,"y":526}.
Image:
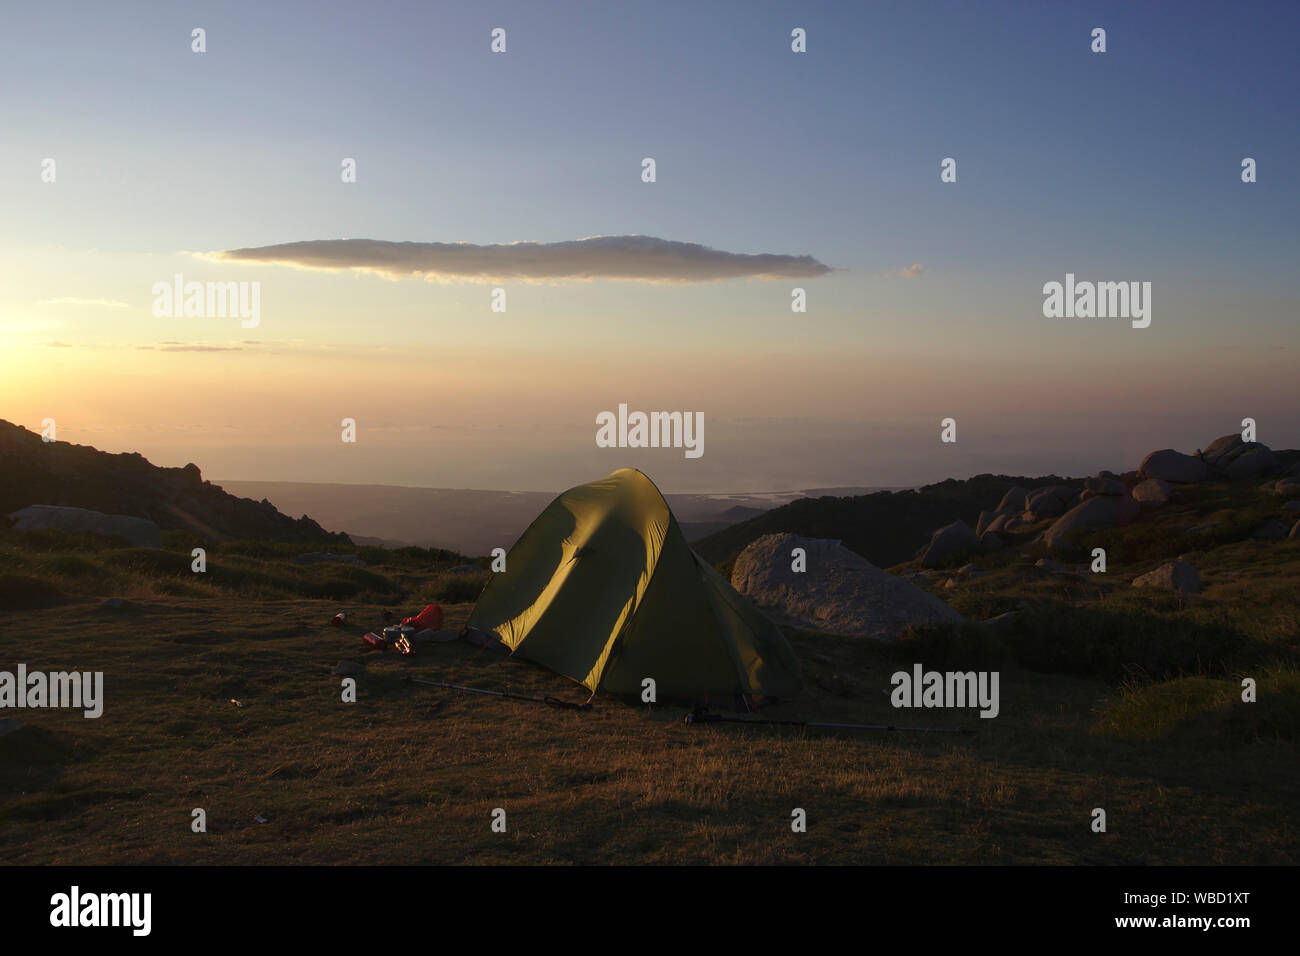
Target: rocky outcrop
{"x":1284,"y":486}
{"x":1170,"y":465}
{"x":1013,"y":501}
{"x":1236,"y":459}
{"x":1103,"y":511}
{"x":140,"y":532}
{"x":839,"y":593}
{"x":1171,"y":576}
{"x":78,"y":476}
{"x":1049,"y":502}
{"x":1153,"y":493}
{"x":1103,"y":484}
{"x":953,"y":539}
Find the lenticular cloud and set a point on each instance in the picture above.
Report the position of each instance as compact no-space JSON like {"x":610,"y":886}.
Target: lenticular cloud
{"x":636,"y":258}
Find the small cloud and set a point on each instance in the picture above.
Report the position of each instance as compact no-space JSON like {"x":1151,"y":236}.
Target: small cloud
{"x":911,"y":272}
{"x":97,"y":303}
{"x":58,"y":345}
{"x":200,"y":348}
{"x":634,"y":258}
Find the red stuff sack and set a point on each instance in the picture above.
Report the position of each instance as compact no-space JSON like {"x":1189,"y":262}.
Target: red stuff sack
{"x":430,"y":618}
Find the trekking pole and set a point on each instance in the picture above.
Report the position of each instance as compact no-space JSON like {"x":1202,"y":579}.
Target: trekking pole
{"x":548,"y":701}
{"x":701,"y":716}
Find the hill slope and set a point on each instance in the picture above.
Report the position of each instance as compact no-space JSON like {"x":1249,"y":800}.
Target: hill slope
{"x":177,"y":499}
{"x":886,"y":528}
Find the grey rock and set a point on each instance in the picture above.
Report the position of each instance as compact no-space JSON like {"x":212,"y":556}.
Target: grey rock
{"x":140,"y":532}
{"x":986,"y":518}
{"x":1174,"y":466}
{"x":1173,"y":576}
{"x":950,"y":540}
{"x":990,"y":542}
{"x":1251,"y":464}
{"x":348,"y":668}
{"x":1291,"y":506}
{"x":840,"y":593}
{"x":1007,"y":521}
{"x":1285,"y":486}
{"x":1055,"y":567}
{"x":1220,"y":452}
{"x":1153,"y":493}
{"x":1049,"y":502}
{"x":1013,"y":500}
{"x":1103,"y":485}
{"x":1104,"y":511}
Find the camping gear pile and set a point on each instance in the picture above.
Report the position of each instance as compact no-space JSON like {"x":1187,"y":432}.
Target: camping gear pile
{"x":421,"y":628}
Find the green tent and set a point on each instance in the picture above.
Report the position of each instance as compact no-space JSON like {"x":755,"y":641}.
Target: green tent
{"x":603,"y":588}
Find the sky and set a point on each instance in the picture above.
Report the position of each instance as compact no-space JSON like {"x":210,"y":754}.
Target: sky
{"x":924,"y":299}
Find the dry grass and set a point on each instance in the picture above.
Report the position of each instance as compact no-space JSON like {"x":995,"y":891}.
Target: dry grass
{"x":411,"y":774}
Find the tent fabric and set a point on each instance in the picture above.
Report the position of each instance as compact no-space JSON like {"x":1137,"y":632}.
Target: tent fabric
{"x":604,"y":589}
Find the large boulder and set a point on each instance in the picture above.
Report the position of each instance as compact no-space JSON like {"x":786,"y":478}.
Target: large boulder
{"x":949,"y":540}
{"x":140,"y":532}
{"x":1006,"y":522}
{"x":1172,"y":576}
{"x":1013,"y":500}
{"x":1049,"y":502}
{"x":1285,"y":486}
{"x":839,"y":593}
{"x":1171,"y":465}
{"x":1234,"y":458}
{"x":986,"y":519}
{"x":1252,"y":463}
{"x":1220,"y":452}
{"x":1103,"y":484}
{"x":1103,"y":511}
{"x":1152,"y":493}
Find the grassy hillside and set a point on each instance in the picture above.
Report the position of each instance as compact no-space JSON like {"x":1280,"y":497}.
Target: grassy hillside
{"x":44,"y":568}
